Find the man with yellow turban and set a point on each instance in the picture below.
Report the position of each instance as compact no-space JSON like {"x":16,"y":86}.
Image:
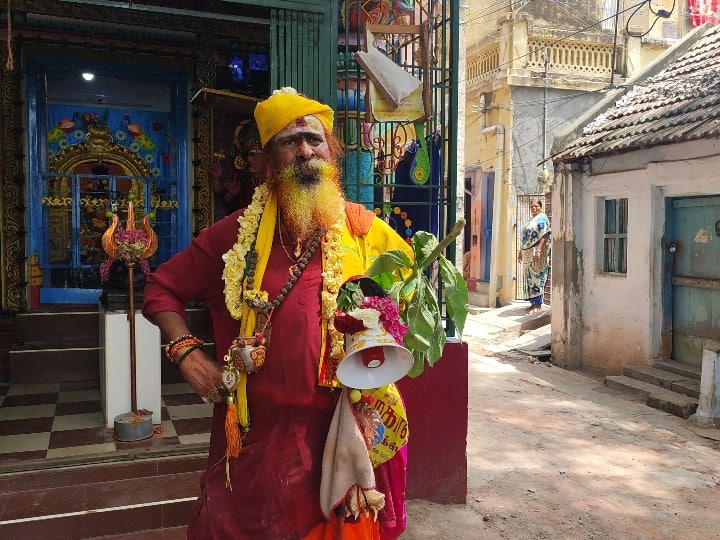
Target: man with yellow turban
{"x":270,"y":275}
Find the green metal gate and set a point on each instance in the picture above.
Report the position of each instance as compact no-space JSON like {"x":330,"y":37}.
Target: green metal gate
{"x":401,"y":162}
{"x":302,"y":45}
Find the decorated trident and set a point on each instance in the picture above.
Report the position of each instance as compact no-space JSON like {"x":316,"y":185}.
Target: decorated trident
{"x":132,"y":246}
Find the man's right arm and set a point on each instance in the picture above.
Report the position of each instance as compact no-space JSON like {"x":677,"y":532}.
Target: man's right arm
{"x":185,"y":277}
{"x":198,"y":368}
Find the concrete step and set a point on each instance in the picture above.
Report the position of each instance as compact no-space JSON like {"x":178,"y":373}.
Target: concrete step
{"x":66,"y":344}
{"x":58,"y":365}
{"x":676,"y":382}
{"x":655,"y":396}
{"x":57,"y":329}
{"x":535,"y":321}
{"x":534,"y":340}
{"x":686,"y":370}
{"x":476,"y":285}
{"x":478,"y":299}
{"x":142,"y":497}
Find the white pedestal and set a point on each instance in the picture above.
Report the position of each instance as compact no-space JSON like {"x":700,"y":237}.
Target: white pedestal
{"x":708,"y":411}
{"x":115,"y":382}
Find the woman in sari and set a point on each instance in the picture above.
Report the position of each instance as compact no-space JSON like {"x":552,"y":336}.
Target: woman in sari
{"x":533,"y":254}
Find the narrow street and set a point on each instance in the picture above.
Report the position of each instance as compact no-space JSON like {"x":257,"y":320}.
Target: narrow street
{"x":553,"y":454}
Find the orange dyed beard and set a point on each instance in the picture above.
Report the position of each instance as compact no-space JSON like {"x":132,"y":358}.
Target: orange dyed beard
{"x":307,"y":206}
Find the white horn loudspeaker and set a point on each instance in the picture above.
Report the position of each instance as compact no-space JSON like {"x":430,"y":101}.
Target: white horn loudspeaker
{"x":373,"y":359}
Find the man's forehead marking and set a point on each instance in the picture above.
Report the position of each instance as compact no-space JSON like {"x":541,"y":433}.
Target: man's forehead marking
{"x":307,"y":123}
{"x":291,"y":133}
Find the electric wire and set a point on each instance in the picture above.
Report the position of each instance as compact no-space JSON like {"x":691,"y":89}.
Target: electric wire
{"x":564,"y":100}
{"x":660,"y":14}
{"x":502,"y":9}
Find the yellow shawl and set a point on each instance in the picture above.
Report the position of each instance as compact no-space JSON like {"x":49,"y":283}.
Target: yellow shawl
{"x":364,"y":237}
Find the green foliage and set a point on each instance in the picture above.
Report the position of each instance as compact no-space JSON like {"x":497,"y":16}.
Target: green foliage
{"x":349,"y":297}
{"x":407,"y":284}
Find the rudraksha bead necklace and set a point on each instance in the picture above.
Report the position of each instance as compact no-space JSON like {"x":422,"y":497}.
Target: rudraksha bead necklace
{"x":295,"y":271}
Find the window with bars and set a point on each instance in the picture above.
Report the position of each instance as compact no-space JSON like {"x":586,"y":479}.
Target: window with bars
{"x":614,"y":253}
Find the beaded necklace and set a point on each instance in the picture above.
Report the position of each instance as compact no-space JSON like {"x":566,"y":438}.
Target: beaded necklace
{"x":235,"y":265}
{"x":295,"y":271}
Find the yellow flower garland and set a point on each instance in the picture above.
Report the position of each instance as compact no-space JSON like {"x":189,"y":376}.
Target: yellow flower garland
{"x":332,"y":281}
{"x":234,"y":271}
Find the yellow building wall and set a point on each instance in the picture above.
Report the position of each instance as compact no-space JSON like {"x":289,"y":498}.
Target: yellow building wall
{"x":488,"y":24}
{"x":488,"y":135}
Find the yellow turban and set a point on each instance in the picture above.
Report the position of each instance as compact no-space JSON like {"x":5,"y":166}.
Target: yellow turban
{"x":284,"y":106}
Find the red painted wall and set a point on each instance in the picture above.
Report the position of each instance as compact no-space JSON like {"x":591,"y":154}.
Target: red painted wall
{"x":436,"y":403}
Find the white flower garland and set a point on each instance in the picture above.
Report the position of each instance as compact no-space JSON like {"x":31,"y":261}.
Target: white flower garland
{"x":234,"y":271}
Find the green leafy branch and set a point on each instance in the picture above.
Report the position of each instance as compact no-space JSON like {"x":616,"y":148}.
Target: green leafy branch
{"x":405,"y":282}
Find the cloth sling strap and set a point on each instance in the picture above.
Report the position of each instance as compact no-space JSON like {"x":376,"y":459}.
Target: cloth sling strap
{"x":358,"y":221}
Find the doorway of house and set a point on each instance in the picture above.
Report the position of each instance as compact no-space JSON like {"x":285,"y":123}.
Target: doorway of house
{"x":101,"y":133}
{"x":694,"y":245}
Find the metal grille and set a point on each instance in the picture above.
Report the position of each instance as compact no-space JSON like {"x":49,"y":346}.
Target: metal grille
{"x":403,"y":169}
{"x":299,"y":52}
{"x":74,"y":218}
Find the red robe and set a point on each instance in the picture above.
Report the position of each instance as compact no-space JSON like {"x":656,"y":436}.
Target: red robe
{"x":276,"y":479}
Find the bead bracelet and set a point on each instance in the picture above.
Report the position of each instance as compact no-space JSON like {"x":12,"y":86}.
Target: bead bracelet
{"x":176,"y":345}
{"x":186,"y":353}
{"x":174,"y":342}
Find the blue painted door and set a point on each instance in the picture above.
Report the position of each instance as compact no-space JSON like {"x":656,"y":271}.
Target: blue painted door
{"x":695,"y":278}
{"x":487,"y":218}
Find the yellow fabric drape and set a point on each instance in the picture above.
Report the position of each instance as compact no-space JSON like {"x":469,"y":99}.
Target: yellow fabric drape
{"x":263,"y":245}
{"x":361,"y":251}
{"x":358,"y":254}
{"x":277,"y":111}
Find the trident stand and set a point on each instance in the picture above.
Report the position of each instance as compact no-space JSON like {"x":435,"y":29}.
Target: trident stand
{"x":131,"y":426}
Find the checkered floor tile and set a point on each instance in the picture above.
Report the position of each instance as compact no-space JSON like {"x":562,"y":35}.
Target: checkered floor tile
{"x":66,"y":419}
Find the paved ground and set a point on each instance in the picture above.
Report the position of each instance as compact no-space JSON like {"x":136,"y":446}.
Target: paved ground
{"x":553,"y":454}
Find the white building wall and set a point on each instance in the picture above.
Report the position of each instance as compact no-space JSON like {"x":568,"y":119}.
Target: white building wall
{"x":620,"y":316}
{"x":615,"y":307}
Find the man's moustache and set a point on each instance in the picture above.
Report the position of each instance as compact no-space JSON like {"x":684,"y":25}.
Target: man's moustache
{"x":308,"y":171}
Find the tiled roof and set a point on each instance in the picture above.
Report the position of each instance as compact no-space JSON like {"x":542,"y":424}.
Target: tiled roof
{"x":680,"y":103}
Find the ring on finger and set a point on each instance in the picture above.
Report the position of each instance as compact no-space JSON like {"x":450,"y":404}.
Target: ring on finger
{"x":211,"y":396}
{"x":216,"y":394}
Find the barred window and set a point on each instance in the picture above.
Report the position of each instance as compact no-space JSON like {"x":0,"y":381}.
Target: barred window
{"x":615,"y":236}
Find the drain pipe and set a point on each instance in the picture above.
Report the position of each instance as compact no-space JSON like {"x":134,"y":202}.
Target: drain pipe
{"x":499,"y":131}
{"x":495,"y":264}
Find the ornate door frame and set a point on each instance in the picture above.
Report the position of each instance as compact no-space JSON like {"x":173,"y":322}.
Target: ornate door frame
{"x":64,"y":204}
